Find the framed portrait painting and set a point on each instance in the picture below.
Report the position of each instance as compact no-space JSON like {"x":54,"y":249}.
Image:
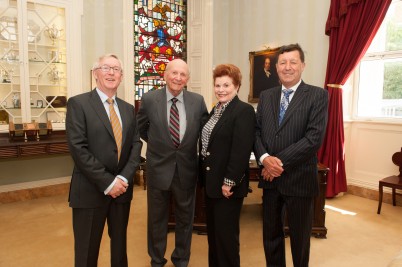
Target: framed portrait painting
{"x":263,"y":73}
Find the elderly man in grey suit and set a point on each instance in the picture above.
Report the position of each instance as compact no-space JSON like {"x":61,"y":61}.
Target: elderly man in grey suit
{"x":170,"y":121}
{"x":105,"y":145}
{"x":291,"y":122}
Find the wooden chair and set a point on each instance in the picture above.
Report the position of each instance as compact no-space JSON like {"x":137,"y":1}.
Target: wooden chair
{"x":394,"y":182}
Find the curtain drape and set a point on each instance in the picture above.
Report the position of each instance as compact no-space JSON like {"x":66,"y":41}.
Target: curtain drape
{"x":351,"y":26}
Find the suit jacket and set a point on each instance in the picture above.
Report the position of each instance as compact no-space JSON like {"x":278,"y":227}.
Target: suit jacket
{"x":94,"y":151}
{"x":296,"y":141}
{"x":162,"y":156}
{"x":229,"y":149}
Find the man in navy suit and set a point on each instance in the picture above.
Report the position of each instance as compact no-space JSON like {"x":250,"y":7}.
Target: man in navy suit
{"x":171,"y":167}
{"x":105,"y":163}
{"x":287,"y":140}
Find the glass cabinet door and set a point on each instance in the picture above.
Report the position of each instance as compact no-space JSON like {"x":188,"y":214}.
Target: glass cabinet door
{"x":46,"y":38}
{"x":33,"y":62}
{"x":10,"y":80}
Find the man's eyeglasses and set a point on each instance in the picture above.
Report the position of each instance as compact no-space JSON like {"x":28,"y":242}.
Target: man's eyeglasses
{"x":106,"y":68}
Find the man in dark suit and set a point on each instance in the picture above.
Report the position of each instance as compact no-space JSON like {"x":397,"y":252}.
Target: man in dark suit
{"x":171,"y":161}
{"x":105,"y":145}
{"x":287,"y":151}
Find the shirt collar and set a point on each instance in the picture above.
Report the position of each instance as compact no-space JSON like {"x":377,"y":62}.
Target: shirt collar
{"x":169,"y":96}
{"x":104,"y":97}
{"x":294,"y":87}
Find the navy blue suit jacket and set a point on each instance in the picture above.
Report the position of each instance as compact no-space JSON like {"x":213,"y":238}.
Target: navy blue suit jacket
{"x":296,"y":141}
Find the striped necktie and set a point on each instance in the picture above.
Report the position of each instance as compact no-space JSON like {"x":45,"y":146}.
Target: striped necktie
{"x":116,"y":127}
{"x":174,"y":123}
{"x":284,"y":103}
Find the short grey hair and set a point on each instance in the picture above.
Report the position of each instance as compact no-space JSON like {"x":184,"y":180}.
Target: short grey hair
{"x":97,"y":63}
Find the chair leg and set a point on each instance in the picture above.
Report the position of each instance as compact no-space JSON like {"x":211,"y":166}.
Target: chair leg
{"x":393,"y":197}
{"x":380,"y":191}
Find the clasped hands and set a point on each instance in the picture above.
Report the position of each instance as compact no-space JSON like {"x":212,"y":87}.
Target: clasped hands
{"x":119,"y":188}
{"x":272,"y":168}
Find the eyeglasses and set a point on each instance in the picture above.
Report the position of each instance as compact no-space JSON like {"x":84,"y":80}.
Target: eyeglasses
{"x":106,"y":68}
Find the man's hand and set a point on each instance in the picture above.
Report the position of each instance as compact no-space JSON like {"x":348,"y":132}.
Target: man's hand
{"x":272,"y":168}
{"x":119,"y":188}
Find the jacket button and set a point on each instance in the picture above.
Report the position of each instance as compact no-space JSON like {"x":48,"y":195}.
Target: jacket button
{"x":208,"y":154}
{"x":208,"y":168}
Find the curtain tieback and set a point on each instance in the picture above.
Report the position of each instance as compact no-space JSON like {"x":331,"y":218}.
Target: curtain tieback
{"x":333,"y":85}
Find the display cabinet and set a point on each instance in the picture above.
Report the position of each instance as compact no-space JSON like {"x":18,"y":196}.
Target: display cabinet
{"x":38,"y":57}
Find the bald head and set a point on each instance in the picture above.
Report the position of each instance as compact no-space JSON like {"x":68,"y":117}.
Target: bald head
{"x":176,"y":76}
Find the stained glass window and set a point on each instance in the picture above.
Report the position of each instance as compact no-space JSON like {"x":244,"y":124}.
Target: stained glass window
{"x":159,"y":37}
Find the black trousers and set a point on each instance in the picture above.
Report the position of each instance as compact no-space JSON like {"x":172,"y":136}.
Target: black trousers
{"x":223,"y":219}
{"x":88,"y":225}
{"x":299,"y":212}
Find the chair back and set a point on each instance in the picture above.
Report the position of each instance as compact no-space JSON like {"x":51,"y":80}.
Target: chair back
{"x":397,"y":160}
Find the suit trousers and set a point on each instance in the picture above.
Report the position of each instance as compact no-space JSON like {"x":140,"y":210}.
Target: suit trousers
{"x":223,"y":218}
{"x":88,"y":225}
{"x":299,"y":211}
{"x":158,"y":216}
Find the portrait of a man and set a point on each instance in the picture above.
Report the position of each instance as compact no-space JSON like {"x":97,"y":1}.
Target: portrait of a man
{"x":263,"y":73}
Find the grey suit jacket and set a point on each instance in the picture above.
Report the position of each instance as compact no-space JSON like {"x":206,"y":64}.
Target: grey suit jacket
{"x":162,"y":156}
{"x":94,"y":151}
{"x":296,"y":141}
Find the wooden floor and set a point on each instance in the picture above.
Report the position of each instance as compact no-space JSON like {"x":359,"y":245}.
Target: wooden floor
{"x":39,"y":233}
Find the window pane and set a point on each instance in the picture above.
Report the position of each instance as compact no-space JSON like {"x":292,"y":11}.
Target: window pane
{"x":389,"y":36}
{"x":380,"y":88}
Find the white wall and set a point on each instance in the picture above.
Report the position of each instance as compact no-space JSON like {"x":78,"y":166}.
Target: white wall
{"x":242,"y":26}
{"x":102,"y":33}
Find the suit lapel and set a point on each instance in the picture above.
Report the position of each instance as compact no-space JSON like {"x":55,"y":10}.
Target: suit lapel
{"x":275,"y":101}
{"x":189,"y":107}
{"x":99,"y":108}
{"x":226,"y":114}
{"x":161,"y":110}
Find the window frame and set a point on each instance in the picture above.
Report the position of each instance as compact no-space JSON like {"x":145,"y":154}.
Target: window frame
{"x":354,"y":82}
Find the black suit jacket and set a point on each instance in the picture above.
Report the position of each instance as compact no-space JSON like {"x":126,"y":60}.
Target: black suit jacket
{"x":229,"y":150}
{"x":296,"y":141}
{"x":94,"y":151}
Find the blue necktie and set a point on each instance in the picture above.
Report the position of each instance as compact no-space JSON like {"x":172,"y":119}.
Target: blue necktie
{"x":284,"y":103}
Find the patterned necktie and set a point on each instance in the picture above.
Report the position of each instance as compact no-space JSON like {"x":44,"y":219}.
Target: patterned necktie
{"x":174,"y":123}
{"x":116,"y":127}
{"x":284,"y":103}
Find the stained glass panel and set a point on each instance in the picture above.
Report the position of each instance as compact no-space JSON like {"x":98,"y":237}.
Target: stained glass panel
{"x":159,"y":37}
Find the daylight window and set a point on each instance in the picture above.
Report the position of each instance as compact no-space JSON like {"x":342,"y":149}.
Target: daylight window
{"x":380,"y":73}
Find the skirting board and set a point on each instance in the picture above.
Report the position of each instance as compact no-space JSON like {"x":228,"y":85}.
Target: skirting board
{"x":33,"y":190}
{"x":43,"y":188}
{"x":372,"y":194}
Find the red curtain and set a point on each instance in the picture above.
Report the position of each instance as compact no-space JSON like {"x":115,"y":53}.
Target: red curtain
{"x":351,"y":26}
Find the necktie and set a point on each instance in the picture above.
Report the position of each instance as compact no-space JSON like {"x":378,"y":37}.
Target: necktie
{"x":116,"y":127}
{"x":174,"y":123}
{"x":284,"y":103}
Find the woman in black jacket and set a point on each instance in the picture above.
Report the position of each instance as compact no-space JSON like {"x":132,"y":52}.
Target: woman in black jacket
{"x":226,"y":144}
